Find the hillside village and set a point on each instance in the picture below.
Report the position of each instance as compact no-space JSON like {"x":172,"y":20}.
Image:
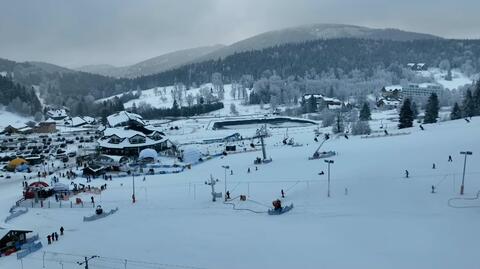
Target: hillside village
{"x":202,"y":135}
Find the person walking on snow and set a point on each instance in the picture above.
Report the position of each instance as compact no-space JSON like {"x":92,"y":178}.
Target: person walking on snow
{"x":433,"y":189}
{"x":56,"y":236}
{"x":406,"y":173}
{"x":433,"y":166}
{"x":248,"y":171}
{"x":450,"y":158}
{"x":283,"y":193}
{"x":61,"y":230}
{"x":49,"y":239}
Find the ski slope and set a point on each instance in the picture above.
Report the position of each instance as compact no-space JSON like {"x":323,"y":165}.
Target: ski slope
{"x":382,"y":220}
{"x":9,"y":118}
{"x":155,"y":100}
{"x":458,"y":78}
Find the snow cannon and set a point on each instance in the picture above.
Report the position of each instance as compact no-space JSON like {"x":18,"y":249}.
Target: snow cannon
{"x":278,"y":209}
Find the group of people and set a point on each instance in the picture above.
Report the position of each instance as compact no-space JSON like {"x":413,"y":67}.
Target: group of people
{"x":248,"y":170}
{"x":54,"y":236}
{"x":407,"y":174}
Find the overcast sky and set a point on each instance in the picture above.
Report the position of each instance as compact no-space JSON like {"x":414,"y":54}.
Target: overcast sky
{"x":120,"y":32}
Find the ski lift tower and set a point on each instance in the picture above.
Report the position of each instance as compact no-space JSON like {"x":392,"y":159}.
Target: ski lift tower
{"x":262,"y":133}
{"x":212,"y":183}
{"x":318,"y":155}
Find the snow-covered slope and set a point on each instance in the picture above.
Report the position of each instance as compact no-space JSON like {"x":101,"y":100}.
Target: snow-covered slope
{"x":161,"y":97}
{"x":375,"y":217}
{"x":9,"y":118}
{"x":458,"y":78}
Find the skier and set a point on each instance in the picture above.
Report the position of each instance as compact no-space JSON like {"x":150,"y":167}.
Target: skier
{"x":49,"y":239}
{"x":277,"y":204}
{"x":385,"y":131}
{"x":406,"y":173}
{"x":433,"y":166}
{"x":433,"y":189}
{"x":248,"y":171}
{"x":421,"y":127}
{"x":93,"y":200}
{"x":450,"y":158}
{"x":61,"y":230}
{"x":227,"y":195}
{"x":346,"y":136}
{"x":283,"y":193}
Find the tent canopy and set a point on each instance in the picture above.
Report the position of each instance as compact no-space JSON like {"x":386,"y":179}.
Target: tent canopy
{"x":16,"y":162}
{"x":148,"y":154}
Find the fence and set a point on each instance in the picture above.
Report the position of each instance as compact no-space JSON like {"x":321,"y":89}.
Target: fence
{"x":28,"y":248}
{"x":14,"y":214}
{"x":52,"y":204}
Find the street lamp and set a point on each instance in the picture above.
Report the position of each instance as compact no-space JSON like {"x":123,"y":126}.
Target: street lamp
{"x":466,"y":153}
{"x":329,"y":162}
{"x":226,"y":167}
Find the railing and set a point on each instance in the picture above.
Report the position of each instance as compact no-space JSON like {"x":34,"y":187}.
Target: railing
{"x":14,"y":214}
{"x":53,"y":204}
{"x":28,"y":248}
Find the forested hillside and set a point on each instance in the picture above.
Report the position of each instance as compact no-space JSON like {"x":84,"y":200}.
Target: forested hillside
{"x":18,"y":98}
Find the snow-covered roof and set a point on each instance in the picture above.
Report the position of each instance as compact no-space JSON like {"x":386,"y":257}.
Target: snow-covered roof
{"x":57,"y":113}
{"x":113,"y":158}
{"x":125,"y":143}
{"x":123,"y":117}
{"x":18,"y":125}
{"x":392,"y":88}
{"x":124,"y":135}
{"x":88,"y":119}
{"x":50,"y":120}
{"x":76,"y":121}
{"x":308,"y":95}
{"x":390,"y":102}
{"x":121,"y":132}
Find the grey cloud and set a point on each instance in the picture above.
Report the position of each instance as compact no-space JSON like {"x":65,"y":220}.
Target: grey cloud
{"x":120,"y":32}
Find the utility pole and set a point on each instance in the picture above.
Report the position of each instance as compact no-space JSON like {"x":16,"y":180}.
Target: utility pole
{"x":328,"y":162}
{"x":466,"y":153}
{"x":226,"y":167}
{"x":133,"y":185}
{"x":86,"y":261}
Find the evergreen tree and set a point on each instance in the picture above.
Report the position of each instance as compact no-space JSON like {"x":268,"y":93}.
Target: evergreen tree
{"x":406,"y":115}
{"x":312,"y":104}
{"x":365,"y":112}
{"x":456,"y":112}
{"x":175,"y":108}
{"x":414,"y":109}
{"x":338,"y":127}
{"x":468,"y":105}
{"x":476,"y":98}
{"x":448,"y":77}
{"x":431,"y":112}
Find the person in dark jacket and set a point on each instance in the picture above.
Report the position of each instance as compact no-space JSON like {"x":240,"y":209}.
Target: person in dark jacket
{"x":61,"y":230}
